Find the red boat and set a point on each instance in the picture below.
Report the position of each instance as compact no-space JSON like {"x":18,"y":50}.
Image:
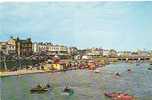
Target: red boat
{"x":111,"y":94}
{"x":119,"y":96}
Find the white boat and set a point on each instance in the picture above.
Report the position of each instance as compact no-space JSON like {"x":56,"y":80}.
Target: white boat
{"x":97,"y":71}
{"x":65,"y":93}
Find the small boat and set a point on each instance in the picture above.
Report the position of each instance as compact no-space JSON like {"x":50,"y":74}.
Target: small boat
{"x":129,"y":70}
{"x":68,"y":91}
{"x":112,"y":94}
{"x":108,"y":95}
{"x":149,"y":68}
{"x":40,"y":89}
{"x":97,"y":71}
{"x":119,"y":96}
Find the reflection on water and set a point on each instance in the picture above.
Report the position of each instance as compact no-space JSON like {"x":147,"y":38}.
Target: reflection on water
{"x":87,"y":85}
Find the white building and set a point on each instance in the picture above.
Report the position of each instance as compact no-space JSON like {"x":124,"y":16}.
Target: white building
{"x":50,"y":48}
{"x":72,"y":50}
{"x":143,"y":53}
{"x":35,"y":47}
{"x":38,"y":47}
{"x":86,"y":57}
{"x":58,"y":49}
{"x":11,"y":49}
{"x":7,"y":48}
{"x":112,"y":53}
{"x":105,"y":52}
{"x":120,"y":53}
{"x":94,"y":52}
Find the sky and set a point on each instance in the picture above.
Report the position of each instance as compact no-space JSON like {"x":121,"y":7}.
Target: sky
{"x":117,"y":25}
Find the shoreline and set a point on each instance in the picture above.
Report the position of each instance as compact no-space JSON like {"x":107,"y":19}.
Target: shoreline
{"x":20,"y":72}
{"x":23,"y":72}
{"x":35,"y":71}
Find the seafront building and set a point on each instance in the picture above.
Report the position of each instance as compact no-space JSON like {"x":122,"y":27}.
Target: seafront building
{"x":17,"y":46}
{"x":109,"y":53}
{"x":94,"y":52}
{"x":24,"y":47}
{"x":73,"y":52}
{"x":3,"y":47}
{"x":112,"y":53}
{"x":58,"y":49}
{"x":50,"y":49}
{"x":44,"y":52}
{"x":97,"y":52}
{"x":41,"y":47}
{"x":7,"y":48}
{"x":105,"y":52}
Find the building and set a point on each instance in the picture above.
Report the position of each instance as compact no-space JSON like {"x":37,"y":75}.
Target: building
{"x":7,"y":48}
{"x":11,"y":45}
{"x":41,"y":47}
{"x":94,"y":52}
{"x":120,"y":53}
{"x":17,"y":46}
{"x":72,"y":50}
{"x":58,"y":49}
{"x":143,"y":53}
{"x":90,"y":53}
{"x":11,"y":49}
{"x":3,"y":47}
{"x":127,"y":54}
{"x":112,"y":53}
{"x":23,"y":47}
{"x":105,"y":52}
{"x":35,"y":47}
{"x":50,"y":49}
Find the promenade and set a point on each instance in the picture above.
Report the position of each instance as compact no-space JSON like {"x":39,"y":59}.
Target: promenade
{"x":20,"y":72}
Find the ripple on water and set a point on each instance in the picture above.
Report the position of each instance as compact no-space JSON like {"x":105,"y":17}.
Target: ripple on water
{"x":86,"y":84}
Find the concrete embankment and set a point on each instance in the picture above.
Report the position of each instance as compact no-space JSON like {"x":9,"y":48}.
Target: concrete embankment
{"x":20,"y":72}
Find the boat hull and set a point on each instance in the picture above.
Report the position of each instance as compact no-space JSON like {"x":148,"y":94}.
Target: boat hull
{"x":38,"y":90}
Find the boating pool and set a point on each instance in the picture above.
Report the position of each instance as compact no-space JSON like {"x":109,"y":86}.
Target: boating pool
{"x":87,"y":85}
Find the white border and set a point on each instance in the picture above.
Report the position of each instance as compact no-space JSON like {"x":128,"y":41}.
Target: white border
{"x":64,"y":0}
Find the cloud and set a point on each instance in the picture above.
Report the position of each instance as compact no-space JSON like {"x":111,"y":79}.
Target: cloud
{"x":106,"y":24}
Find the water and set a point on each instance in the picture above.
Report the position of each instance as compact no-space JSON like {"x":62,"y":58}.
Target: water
{"x":87,"y":85}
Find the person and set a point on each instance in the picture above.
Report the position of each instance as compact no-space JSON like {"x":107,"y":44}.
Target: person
{"x":38,"y":86}
{"x":117,"y":74}
{"x":66,"y":89}
{"x":129,"y":70}
{"x":48,"y":86}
